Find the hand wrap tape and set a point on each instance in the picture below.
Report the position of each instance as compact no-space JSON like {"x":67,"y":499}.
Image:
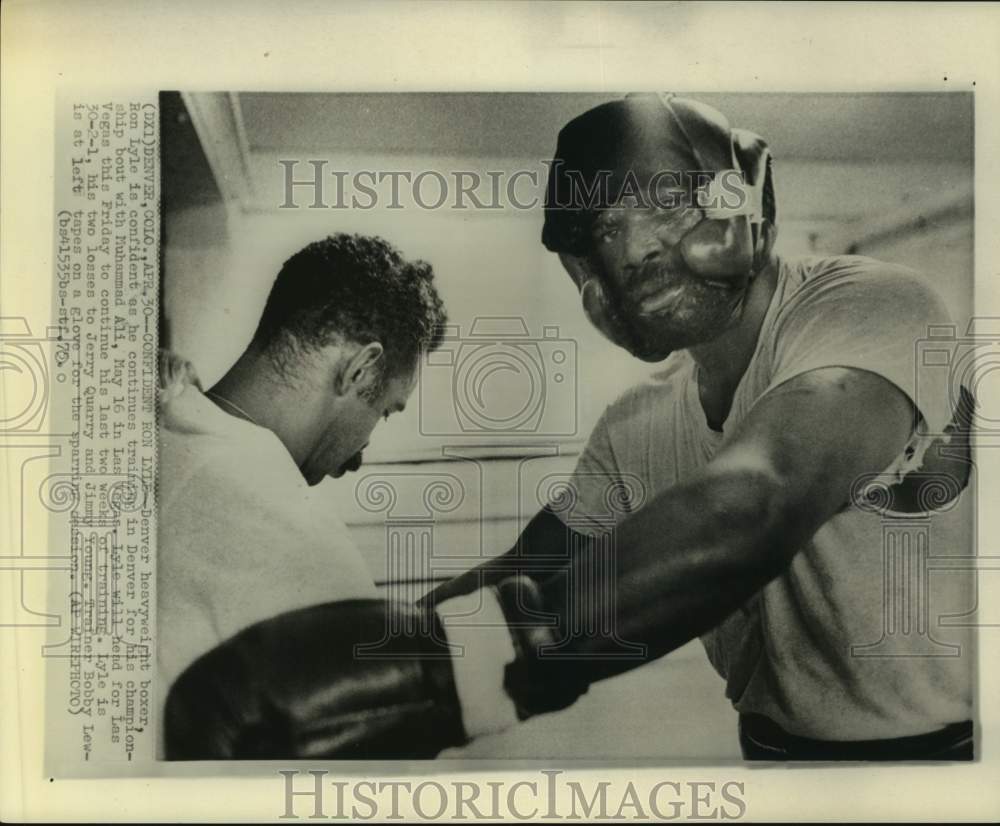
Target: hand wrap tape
{"x":476,"y":623}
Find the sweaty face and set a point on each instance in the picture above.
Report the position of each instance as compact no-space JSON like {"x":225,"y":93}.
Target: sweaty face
{"x":660,"y":302}
{"x":341,"y":445}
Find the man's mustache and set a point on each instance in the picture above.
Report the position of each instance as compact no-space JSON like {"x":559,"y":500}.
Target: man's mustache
{"x":654,"y":276}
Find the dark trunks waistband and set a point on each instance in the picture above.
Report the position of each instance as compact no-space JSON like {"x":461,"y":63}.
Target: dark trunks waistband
{"x":763,"y":739}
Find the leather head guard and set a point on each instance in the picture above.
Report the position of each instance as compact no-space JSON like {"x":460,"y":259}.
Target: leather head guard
{"x":643,"y":136}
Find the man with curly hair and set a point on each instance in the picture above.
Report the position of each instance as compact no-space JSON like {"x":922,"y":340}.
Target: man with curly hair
{"x":243,"y":534}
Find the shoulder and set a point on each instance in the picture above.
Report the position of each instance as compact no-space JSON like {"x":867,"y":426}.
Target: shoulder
{"x":208,"y":455}
{"x":860,"y":287}
{"x":175,"y":374}
{"x":860,"y":313}
{"x":835,"y":272}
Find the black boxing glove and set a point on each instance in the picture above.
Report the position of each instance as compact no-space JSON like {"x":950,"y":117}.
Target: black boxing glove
{"x":369,"y":679}
{"x":354,"y":679}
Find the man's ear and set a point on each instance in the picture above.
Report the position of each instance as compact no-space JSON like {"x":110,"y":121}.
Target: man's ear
{"x":361,"y":370}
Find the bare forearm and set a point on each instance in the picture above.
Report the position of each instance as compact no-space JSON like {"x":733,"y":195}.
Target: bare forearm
{"x":680,"y":566}
{"x":696,"y":534}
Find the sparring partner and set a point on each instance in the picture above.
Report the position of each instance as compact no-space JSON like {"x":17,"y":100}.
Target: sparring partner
{"x":791,"y":426}
{"x":243,"y":532}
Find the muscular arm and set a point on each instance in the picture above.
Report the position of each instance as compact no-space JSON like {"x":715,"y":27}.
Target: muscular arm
{"x":700,"y":549}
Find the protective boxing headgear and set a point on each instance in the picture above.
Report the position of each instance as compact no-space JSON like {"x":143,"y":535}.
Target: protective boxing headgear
{"x":633,"y":142}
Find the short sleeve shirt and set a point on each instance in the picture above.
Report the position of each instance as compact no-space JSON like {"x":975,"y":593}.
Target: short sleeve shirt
{"x":863,"y":636}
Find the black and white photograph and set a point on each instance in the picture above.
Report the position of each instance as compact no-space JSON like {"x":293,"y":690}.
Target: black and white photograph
{"x":499,"y":411}
{"x":549,"y":425}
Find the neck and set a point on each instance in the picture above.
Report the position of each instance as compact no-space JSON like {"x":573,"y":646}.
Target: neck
{"x":722,"y":361}
{"x":269,"y":400}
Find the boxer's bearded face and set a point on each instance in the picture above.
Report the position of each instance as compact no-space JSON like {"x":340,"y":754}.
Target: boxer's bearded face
{"x":652,"y":293}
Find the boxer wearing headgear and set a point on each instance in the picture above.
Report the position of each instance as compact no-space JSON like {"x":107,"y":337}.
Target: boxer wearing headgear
{"x":664,"y":152}
{"x":785,"y":383}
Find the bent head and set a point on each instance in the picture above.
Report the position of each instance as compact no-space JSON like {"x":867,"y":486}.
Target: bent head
{"x":356,"y":407}
{"x":663,"y":215}
{"x":344,"y":327}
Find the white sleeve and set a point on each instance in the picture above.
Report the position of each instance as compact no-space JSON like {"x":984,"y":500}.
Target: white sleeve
{"x":883,"y":319}
{"x":875,"y":317}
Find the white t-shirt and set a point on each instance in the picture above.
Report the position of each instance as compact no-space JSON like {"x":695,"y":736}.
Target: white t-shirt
{"x":241,"y":536}
{"x":850,"y":642}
